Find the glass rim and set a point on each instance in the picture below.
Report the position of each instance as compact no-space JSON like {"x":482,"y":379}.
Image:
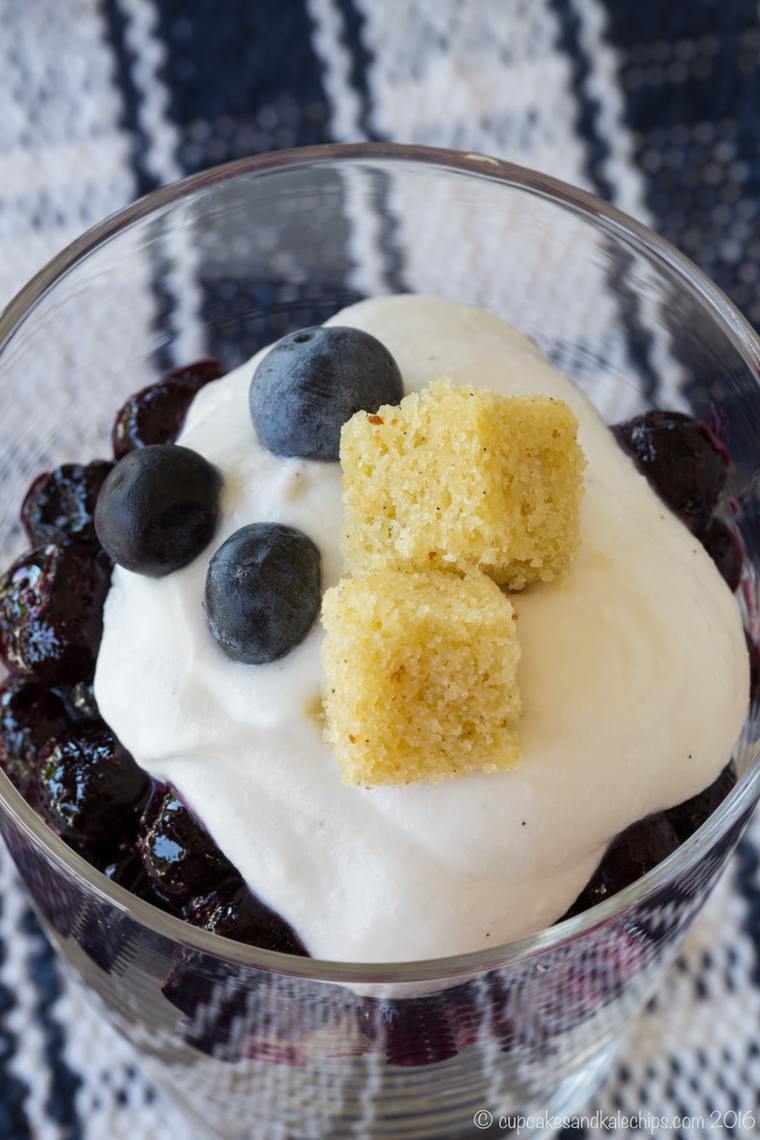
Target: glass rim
{"x":598,"y":213}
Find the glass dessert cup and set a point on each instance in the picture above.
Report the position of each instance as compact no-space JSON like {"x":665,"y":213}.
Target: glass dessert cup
{"x":253,"y":1043}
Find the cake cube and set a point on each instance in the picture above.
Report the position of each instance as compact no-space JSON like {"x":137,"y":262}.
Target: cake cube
{"x":460,"y":478}
{"x":421,"y":676}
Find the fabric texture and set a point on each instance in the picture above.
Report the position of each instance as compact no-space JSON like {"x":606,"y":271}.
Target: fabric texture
{"x":653,"y":106}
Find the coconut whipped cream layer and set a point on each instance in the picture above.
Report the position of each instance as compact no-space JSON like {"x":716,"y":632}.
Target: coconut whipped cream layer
{"x":634,"y":678}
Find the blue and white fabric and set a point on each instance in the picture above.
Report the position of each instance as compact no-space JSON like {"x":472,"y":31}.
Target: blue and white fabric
{"x":652,"y":105}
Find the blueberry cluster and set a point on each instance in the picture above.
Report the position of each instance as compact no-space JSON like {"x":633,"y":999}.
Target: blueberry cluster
{"x":158,"y":507}
{"x":154,"y":510}
{"x":263,"y":589}
{"x":686,"y":465}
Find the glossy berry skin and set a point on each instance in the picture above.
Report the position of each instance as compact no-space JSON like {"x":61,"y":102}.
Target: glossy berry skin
{"x":263,"y":592}
{"x":232,"y":911}
{"x":312,"y":381}
{"x":79,"y":702}
{"x":724,"y":547}
{"x":635,"y":851}
{"x":29,"y":717}
{"x":681,"y":460}
{"x":158,"y":509}
{"x":692,"y":813}
{"x":178,"y":853}
{"x":156,"y":413}
{"x":60,"y":504}
{"x":126,"y":868}
{"x":51,"y":612}
{"x":91,"y":790}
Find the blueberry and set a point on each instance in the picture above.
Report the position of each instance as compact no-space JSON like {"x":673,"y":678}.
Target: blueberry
{"x":29,"y":717}
{"x":91,"y":790}
{"x":125,"y":867}
{"x":680,"y":458}
{"x":178,"y":853}
{"x":263,"y":592}
{"x":156,"y":413}
{"x":199,"y":986}
{"x":51,"y":612}
{"x":79,"y":701}
{"x":691,"y":814}
{"x":158,"y":509}
{"x":754,"y":667}
{"x":635,"y":851}
{"x":312,"y":381}
{"x":418,"y":1032}
{"x":724,"y":547}
{"x":60,"y":504}
{"x":232,"y":911}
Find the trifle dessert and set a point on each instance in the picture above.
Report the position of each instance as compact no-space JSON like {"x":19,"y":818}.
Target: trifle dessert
{"x":381,"y":647}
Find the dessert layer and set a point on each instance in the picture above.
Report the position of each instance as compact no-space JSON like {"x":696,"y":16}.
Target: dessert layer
{"x":634,"y":682}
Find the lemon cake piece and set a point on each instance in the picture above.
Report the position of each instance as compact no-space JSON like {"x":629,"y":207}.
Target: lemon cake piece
{"x":461,"y":478}
{"x":421,"y":676}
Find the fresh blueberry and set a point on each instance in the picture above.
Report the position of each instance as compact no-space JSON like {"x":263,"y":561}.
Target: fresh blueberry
{"x":635,"y":851}
{"x":178,"y":853}
{"x":312,"y":381}
{"x":680,"y":458}
{"x":29,"y":717}
{"x":232,"y":911}
{"x":724,"y":547}
{"x":158,"y":509}
{"x":60,"y":504}
{"x":156,"y":413}
{"x":691,"y":814}
{"x":263,"y":592}
{"x":51,"y":612}
{"x":91,"y":790}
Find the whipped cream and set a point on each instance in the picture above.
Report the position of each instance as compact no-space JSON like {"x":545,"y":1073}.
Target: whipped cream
{"x":634,"y":679}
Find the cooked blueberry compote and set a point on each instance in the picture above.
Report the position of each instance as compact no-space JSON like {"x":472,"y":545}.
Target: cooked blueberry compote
{"x":156,"y":413}
{"x":686,"y":817}
{"x":79,"y":701}
{"x":195,"y":773}
{"x":233,"y":911}
{"x":60,"y":504}
{"x":178,"y":854}
{"x":724,"y":547}
{"x":51,"y":612}
{"x":90,"y":787}
{"x":681,"y":459}
{"x":29,"y":715}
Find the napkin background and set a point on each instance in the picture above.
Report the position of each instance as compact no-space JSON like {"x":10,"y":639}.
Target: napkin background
{"x":654,"y":105}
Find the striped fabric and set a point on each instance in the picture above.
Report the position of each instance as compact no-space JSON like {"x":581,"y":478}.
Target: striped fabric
{"x":651,"y":105}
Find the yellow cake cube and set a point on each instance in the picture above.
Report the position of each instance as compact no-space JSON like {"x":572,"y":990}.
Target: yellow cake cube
{"x":421,"y":676}
{"x":459,"y":478}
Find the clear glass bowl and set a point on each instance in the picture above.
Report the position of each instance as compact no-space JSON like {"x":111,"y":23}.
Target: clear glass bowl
{"x":256,"y":1044}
